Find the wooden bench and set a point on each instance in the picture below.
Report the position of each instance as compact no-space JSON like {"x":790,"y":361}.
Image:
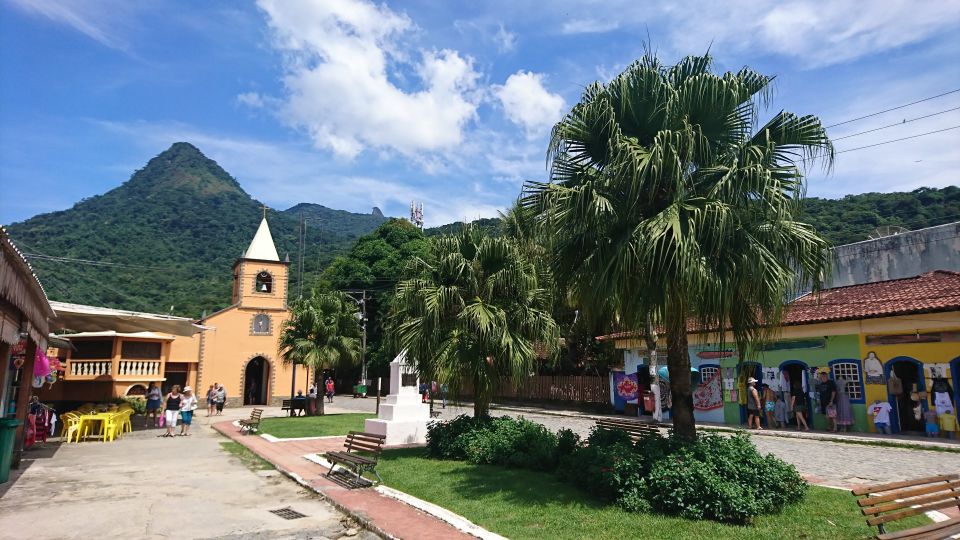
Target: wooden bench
{"x":253,"y":423}
{"x":884,"y":503}
{"x":370,"y":444}
{"x":296,"y":404}
{"x":635,"y":428}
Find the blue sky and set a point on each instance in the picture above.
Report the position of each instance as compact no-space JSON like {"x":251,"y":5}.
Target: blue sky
{"x":352,"y":104}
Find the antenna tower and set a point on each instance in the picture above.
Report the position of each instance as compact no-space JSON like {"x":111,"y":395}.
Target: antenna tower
{"x":416,"y":214}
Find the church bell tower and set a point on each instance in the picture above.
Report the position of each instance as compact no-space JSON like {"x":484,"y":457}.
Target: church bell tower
{"x":260,"y":278}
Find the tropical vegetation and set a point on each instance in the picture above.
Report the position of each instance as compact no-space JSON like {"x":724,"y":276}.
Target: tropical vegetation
{"x":667,"y":207}
{"x":471,"y":312}
{"x":322,"y":332}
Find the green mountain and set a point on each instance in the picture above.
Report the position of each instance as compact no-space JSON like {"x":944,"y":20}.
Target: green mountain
{"x":842,"y":221}
{"x":166,"y":239}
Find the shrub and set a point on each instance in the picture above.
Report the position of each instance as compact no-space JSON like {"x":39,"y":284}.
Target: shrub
{"x":138,"y":403}
{"x":721,"y":478}
{"x":512,"y":443}
{"x":446,"y":440}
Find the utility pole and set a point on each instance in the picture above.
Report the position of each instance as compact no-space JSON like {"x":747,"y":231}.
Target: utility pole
{"x":303,"y":240}
{"x":362,"y":302}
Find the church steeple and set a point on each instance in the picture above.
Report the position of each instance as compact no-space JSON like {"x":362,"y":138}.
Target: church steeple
{"x":262,"y":247}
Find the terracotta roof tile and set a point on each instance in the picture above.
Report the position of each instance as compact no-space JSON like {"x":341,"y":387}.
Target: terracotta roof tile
{"x":927,"y":293}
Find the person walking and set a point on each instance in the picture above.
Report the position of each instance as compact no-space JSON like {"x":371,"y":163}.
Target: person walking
{"x":770,"y":406}
{"x":330,"y":389}
{"x":187,"y":405}
{"x":211,"y":399}
{"x":154,"y":397}
{"x":220,"y":399}
{"x":844,"y":409}
{"x":753,"y":404}
{"x":798,"y":401}
{"x":171,"y":409}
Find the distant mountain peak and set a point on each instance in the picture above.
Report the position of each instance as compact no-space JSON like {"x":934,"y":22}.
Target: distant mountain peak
{"x":183,"y":167}
{"x":377,"y":212}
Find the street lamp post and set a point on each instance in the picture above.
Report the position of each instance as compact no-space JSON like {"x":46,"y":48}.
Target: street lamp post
{"x":362,"y":317}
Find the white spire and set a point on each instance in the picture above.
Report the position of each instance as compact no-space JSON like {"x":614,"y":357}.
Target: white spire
{"x":262,"y":247}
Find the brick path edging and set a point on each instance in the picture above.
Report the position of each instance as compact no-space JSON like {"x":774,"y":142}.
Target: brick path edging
{"x":396,"y":518}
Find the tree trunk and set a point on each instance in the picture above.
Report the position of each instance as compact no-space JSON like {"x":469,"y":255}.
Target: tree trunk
{"x":481,"y":401}
{"x":678,"y":363}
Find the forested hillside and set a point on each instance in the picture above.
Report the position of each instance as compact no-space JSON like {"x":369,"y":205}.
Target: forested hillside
{"x":165,"y":240}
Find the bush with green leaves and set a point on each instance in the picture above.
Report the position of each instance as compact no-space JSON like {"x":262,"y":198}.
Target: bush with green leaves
{"x":138,"y":403}
{"x":516,"y":443}
{"x":446,"y":440}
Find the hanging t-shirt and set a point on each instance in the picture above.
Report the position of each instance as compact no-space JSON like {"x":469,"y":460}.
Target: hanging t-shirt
{"x":880,"y":412}
{"x":941,"y":401}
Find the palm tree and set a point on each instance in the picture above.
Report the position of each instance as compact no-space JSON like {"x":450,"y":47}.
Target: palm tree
{"x":322,"y":332}
{"x":667,"y":205}
{"x":473,"y":313}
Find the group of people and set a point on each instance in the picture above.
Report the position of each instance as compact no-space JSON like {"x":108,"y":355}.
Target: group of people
{"x":834,"y":404}
{"x":329,"y":389}
{"x":216,"y":397}
{"x":176,"y":406}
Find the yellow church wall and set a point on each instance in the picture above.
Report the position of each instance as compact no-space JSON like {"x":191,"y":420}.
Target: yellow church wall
{"x":246,"y":294}
{"x":229,"y":345}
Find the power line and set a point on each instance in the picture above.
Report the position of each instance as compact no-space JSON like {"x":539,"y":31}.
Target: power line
{"x":893,"y":108}
{"x":895,"y":124}
{"x":897,"y":140}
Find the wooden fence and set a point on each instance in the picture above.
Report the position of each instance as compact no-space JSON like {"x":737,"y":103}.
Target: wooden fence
{"x":576,"y":388}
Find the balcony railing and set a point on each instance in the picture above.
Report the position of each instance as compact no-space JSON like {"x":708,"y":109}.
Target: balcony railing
{"x":139,"y":368}
{"x":89,"y":369}
{"x":122,"y":370}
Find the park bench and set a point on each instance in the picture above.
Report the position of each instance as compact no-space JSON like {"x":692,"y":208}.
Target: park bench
{"x":253,"y":423}
{"x":884,"y":503}
{"x":635,"y":428}
{"x":369,"y":444}
{"x":296,"y":404}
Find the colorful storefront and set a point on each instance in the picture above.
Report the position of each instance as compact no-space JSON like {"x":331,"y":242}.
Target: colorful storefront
{"x":896,"y":341}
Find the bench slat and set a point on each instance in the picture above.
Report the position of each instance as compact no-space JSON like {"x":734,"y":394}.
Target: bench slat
{"x":936,"y":530}
{"x":894,"y":516}
{"x":937,"y":497}
{"x":906,"y":483}
{"x":362,"y":448}
{"x":907,"y":493}
{"x":368,"y":435}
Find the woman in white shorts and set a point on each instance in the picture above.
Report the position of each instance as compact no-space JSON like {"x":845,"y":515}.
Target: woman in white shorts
{"x":171,"y":409}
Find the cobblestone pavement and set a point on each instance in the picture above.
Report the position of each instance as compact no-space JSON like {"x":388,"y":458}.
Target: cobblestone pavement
{"x":146,"y":487}
{"x":824,"y":462}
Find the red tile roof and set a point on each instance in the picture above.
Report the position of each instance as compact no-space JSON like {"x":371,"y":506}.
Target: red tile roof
{"x":927,"y":293}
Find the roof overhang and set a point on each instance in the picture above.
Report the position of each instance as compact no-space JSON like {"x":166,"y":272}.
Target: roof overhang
{"x":80,"y":318}
{"x":111,"y":334}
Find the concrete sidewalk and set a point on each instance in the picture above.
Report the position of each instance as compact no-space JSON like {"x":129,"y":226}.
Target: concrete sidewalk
{"x":383,"y":515}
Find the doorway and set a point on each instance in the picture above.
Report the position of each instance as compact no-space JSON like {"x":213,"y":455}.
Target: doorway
{"x":910,"y":373}
{"x":255,"y":380}
{"x":796,"y":373}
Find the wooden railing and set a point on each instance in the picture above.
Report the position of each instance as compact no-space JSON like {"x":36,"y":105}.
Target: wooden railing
{"x":573,"y":388}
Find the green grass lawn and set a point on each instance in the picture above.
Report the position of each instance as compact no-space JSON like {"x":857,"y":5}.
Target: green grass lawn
{"x":313,"y":426}
{"x":246,"y":456}
{"x":525,"y":504}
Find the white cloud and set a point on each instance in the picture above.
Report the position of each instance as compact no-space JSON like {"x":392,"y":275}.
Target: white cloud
{"x":813,"y":32}
{"x":91,"y":18}
{"x":251,"y":99}
{"x":589,"y":26}
{"x":528,"y":104}
{"x":504,"y":39}
{"x":343,"y":57}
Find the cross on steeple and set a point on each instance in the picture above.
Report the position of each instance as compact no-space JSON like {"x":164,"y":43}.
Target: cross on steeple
{"x":264,"y":211}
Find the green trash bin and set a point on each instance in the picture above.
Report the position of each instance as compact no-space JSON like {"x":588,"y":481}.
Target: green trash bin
{"x":8,"y":432}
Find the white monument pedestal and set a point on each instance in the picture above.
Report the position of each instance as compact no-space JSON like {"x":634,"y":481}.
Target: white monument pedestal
{"x":403,"y":417}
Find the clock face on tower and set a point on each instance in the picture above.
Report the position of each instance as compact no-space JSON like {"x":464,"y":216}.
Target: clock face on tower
{"x":261,"y":324}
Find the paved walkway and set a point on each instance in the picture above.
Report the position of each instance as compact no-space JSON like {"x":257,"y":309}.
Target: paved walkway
{"x":378,"y":512}
{"x":144,"y":487}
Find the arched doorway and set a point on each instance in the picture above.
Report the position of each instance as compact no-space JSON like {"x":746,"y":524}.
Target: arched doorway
{"x":797,"y":373}
{"x":256,"y":379}
{"x":910,"y":373}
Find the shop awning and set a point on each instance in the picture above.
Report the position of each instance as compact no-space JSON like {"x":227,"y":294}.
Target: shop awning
{"x":80,"y":318}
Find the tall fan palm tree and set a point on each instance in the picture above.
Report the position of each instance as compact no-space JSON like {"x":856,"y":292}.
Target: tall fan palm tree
{"x":472,"y":313}
{"x":666,"y":204}
{"x":322,"y":332}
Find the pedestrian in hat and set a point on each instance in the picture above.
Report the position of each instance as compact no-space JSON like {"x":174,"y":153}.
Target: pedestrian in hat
{"x":187,"y":405}
{"x":753,"y":404}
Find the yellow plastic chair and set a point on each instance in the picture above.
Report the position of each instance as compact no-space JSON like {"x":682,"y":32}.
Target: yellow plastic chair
{"x":125,"y":425}
{"x":71,"y":426}
{"x":110,"y":427}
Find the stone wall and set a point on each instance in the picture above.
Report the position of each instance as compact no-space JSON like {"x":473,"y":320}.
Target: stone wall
{"x":899,"y":256}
